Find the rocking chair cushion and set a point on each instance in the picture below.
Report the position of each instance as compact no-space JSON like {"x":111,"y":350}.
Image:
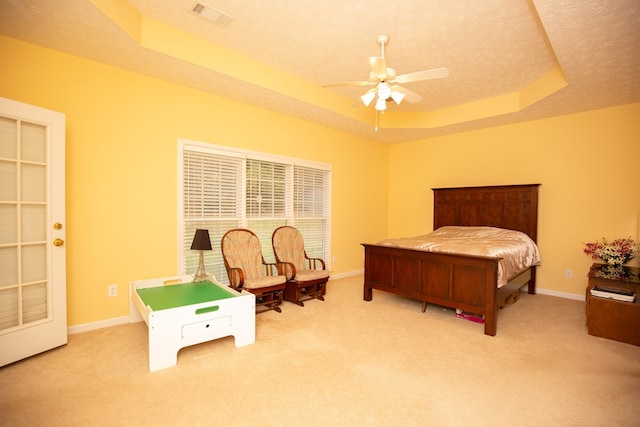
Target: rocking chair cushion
{"x":263,"y":282}
{"x":243,"y":251}
{"x":289,"y":246}
{"x":305,"y":275}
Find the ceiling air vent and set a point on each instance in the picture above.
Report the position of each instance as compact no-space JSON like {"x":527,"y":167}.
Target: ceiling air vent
{"x":209,"y":13}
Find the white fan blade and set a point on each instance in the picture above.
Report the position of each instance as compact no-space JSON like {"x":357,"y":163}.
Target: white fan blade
{"x":409,"y":96}
{"x":379,"y":66}
{"x":349,"y":84}
{"x":436,"y":73}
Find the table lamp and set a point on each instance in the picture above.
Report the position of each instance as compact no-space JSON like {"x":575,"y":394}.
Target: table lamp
{"x":201,"y":242}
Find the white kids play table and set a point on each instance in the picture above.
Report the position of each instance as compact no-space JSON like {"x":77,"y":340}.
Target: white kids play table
{"x":180,"y":313}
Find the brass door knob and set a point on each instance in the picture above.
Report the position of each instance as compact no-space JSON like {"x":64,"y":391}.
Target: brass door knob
{"x":58,"y":242}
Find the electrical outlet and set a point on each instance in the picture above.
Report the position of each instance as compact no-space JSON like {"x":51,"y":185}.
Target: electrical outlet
{"x":568,"y":274}
{"x":113,"y":290}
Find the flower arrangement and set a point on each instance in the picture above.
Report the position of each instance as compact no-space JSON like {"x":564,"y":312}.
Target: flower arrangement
{"x":614,"y":272}
{"x":616,"y":252}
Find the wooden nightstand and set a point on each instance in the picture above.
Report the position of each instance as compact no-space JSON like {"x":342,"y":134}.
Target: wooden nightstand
{"x":607,"y":318}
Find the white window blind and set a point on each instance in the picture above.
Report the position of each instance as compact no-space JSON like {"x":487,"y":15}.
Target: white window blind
{"x":266,"y":199}
{"x":222,"y":189}
{"x":210,"y":200}
{"x":312,"y":208}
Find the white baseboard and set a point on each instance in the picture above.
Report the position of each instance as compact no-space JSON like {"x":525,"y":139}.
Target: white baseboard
{"x":347,"y":274}
{"x":86,"y":327}
{"x":560,"y":294}
{"x":97,"y":325}
{"x":538,"y":290}
{"x":125,"y":319}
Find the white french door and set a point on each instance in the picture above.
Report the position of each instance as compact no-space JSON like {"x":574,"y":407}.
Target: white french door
{"x":33,"y":307}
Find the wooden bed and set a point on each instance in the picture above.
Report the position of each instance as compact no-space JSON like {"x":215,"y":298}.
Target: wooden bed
{"x":465,"y":282}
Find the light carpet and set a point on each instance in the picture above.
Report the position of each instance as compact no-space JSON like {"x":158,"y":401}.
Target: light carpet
{"x":342,"y":362}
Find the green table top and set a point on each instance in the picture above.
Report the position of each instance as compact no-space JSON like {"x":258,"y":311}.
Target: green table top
{"x":181,"y":294}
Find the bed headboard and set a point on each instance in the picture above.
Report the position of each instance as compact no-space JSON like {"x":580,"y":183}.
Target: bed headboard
{"x":514,"y":207}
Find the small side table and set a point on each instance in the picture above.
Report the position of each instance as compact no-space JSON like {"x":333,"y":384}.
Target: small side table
{"x":612,"y":319}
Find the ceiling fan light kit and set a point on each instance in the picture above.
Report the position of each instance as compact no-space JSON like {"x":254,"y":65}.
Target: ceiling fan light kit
{"x":368,"y":97}
{"x":397,"y":96}
{"x":384,"y":91}
{"x":384,"y":79}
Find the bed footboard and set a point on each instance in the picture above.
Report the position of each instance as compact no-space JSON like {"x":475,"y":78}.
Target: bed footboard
{"x":463,"y":282}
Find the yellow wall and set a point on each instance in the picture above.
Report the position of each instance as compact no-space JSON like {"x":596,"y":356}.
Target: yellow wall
{"x":122,"y":132}
{"x":121,"y":153}
{"x":587,"y":164}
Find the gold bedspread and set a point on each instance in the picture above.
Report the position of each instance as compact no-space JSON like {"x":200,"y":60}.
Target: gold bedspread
{"x":517,"y":250}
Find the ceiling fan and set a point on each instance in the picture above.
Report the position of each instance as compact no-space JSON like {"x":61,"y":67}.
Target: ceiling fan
{"x":385,"y":81}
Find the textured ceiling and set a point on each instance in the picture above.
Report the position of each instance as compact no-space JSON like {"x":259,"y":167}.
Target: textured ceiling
{"x":501,"y":54}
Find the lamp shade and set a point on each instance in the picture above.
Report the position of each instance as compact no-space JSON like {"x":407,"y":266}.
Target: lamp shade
{"x":397,"y":96}
{"x":201,"y":240}
{"x":368,"y":97}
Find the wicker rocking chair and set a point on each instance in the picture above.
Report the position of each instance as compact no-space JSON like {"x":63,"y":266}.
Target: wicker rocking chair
{"x":306,"y":277}
{"x":247,"y":269}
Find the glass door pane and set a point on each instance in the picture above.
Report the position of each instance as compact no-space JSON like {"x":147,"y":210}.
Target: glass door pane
{"x":24,"y":285}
